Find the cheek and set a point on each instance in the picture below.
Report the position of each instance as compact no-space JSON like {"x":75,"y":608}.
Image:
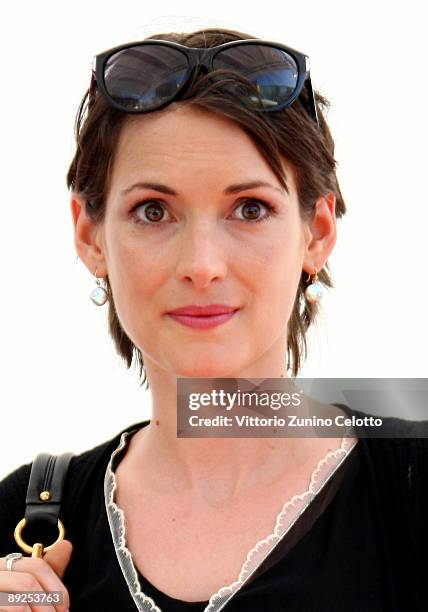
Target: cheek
{"x":276,"y":264}
{"x":136,"y":263}
{"x":275,"y":274}
{"x":136,"y":275}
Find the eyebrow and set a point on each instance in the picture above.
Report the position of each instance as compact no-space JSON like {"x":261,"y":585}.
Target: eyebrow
{"x":236,"y":188}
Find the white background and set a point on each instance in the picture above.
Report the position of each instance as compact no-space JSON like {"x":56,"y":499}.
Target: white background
{"x":62,"y":385}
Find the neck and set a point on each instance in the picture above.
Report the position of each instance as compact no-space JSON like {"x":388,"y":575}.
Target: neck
{"x":220,"y":469}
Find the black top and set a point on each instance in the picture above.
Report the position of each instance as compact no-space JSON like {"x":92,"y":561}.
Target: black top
{"x":361,"y":545}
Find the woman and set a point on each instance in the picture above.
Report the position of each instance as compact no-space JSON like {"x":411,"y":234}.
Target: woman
{"x":218,"y":194}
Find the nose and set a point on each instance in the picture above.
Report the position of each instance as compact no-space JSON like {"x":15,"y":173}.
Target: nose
{"x":202,"y":257}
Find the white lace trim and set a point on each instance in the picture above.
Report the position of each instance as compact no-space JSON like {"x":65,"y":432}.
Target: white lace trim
{"x":285,"y":519}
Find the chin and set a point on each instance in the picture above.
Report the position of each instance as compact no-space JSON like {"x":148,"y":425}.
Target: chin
{"x":205,"y":370}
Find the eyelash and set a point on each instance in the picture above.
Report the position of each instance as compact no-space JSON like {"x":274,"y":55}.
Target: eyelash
{"x":271,"y":211}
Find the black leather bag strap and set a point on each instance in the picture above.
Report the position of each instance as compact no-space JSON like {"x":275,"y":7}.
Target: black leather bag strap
{"x":45,"y":488}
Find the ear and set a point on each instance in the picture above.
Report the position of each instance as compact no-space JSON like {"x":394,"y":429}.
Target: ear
{"x":320,"y":233}
{"x":88,"y":237}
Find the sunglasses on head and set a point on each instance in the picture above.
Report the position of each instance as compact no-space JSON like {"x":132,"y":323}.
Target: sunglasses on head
{"x":140,"y":77}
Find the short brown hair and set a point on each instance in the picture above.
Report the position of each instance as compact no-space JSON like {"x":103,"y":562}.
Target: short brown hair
{"x":290,"y":132}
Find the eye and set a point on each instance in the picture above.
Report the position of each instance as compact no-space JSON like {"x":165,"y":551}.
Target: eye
{"x":252,"y":206}
{"x":154,"y":211}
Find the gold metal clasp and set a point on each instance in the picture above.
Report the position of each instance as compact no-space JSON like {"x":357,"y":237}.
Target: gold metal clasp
{"x":37,"y":550}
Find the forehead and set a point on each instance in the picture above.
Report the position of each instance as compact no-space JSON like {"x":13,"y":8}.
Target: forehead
{"x":184,"y":141}
{"x":189,"y":122}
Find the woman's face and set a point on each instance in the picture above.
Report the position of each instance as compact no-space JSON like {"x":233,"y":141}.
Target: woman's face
{"x":195,"y":241}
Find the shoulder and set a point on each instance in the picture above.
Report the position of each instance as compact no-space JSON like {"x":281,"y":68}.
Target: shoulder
{"x":83,"y":470}
{"x":88,"y":468}
{"x":397,"y":470}
{"x":13,"y":489}
{"x":14,"y":485}
{"x":397,"y":474}
{"x":389,"y":427}
{"x":396,"y":453}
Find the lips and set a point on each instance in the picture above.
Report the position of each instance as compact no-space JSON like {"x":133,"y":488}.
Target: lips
{"x":210,"y":310}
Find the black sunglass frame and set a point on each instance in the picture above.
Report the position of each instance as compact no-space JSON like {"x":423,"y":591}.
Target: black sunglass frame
{"x":203,"y":57}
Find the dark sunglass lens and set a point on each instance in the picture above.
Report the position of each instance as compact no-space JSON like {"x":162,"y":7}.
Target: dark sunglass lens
{"x":273,"y":71}
{"x":144,"y":77}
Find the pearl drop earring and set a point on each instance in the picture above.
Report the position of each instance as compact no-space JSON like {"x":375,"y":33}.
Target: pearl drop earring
{"x":99,"y":294}
{"x":313,"y":292}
